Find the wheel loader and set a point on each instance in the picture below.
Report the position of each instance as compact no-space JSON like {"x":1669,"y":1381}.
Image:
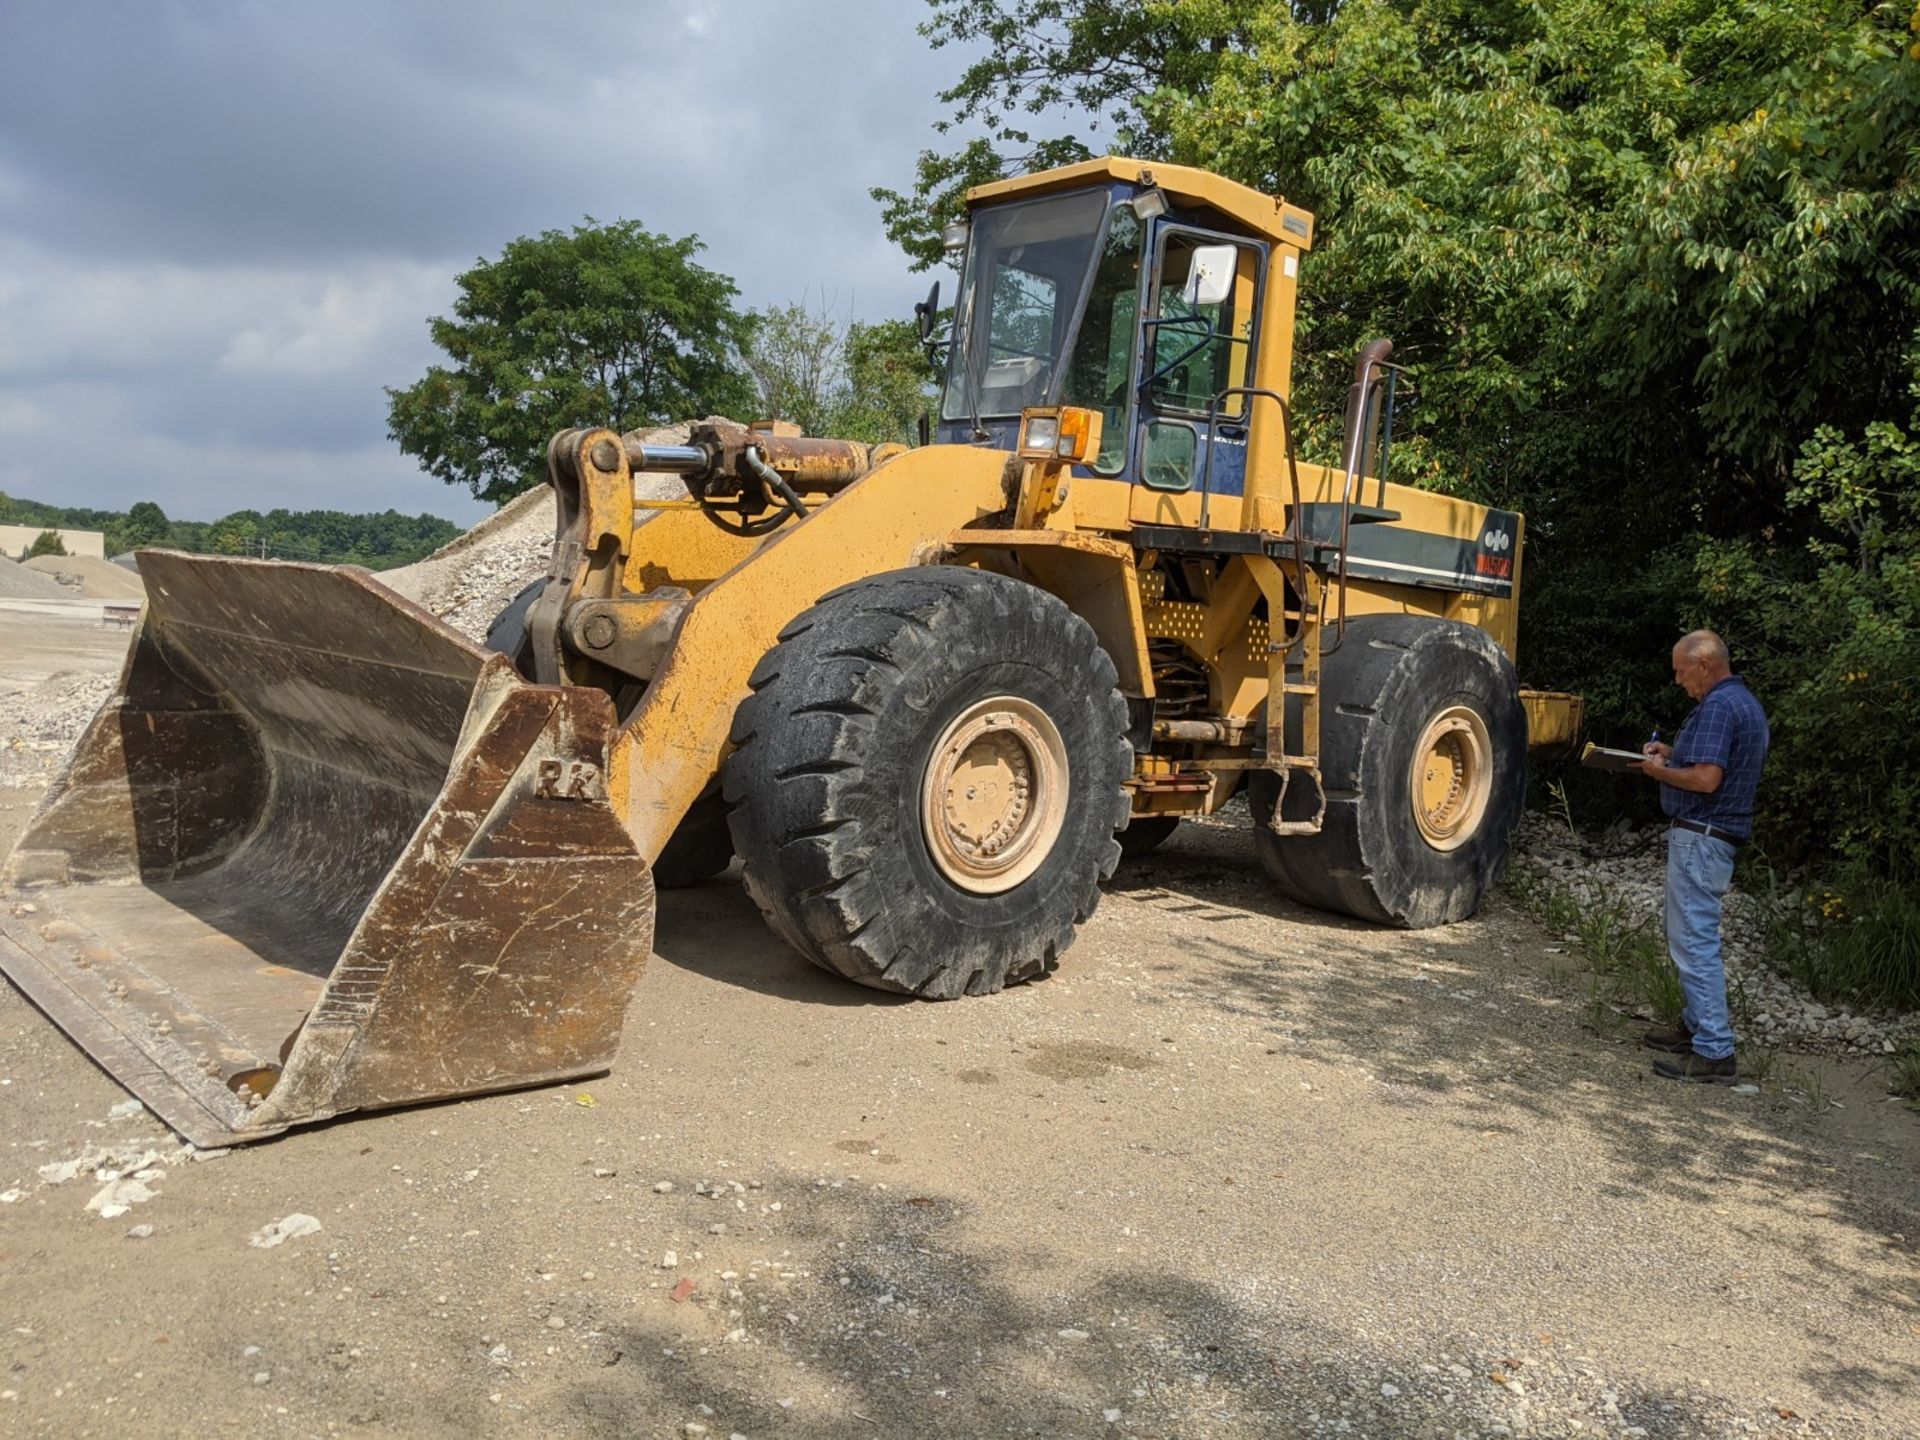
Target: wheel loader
{"x":321,"y":853}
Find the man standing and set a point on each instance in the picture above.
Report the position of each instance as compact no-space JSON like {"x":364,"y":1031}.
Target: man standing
{"x":1708,"y":778}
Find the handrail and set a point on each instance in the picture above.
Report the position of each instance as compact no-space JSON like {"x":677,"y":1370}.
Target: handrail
{"x":1297,"y":524}
{"x":1214,"y":416}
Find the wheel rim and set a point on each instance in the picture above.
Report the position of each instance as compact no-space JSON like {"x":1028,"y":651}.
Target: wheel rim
{"x":994,"y":796}
{"x":1452,"y":777}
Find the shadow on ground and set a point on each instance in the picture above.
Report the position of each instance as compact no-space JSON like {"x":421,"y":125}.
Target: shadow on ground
{"x":905,"y":1327}
{"x":1470,"y":1024}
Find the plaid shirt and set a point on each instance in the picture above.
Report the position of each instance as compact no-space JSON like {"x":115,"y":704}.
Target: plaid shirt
{"x":1729,"y":729}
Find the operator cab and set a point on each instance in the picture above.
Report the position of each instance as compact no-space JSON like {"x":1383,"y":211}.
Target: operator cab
{"x":1114,"y":298}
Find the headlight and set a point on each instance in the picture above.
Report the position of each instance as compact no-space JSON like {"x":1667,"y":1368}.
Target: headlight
{"x":1043,"y":433}
{"x":1068,"y":433}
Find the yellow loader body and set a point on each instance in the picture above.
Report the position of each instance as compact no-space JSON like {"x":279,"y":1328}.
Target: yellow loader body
{"x":320,"y":853}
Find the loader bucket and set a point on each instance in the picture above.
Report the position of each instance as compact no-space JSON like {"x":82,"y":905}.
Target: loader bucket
{"x":321,"y":853}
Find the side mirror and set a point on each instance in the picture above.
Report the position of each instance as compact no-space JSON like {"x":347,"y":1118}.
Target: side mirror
{"x":927,"y":311}
{"x":1210,"y":276}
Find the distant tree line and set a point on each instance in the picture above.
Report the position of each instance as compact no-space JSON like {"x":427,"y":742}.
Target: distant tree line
{"x":332,"y":537}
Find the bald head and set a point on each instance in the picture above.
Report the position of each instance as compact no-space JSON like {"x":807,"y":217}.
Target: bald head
{"x":1700,"y":662}
{"x":1703,"y":645}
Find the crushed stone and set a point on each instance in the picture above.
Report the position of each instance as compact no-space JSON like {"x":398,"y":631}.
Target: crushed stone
{"x":1625,"y":868}
{"x":39,"y":725}
{"x":90,"y":576}
{"x":473,"y":578}
{"x":17,"y":582}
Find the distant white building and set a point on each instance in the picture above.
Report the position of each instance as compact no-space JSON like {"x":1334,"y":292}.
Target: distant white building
{"x":16,"y":540}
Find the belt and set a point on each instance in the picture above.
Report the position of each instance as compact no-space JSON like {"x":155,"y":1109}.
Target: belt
{"x":1712,"y":832}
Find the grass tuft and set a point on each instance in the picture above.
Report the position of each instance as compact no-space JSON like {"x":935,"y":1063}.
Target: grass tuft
{"x":1904,"y":1071}
{"x":1857,"y":943}
{"x":1631,"y":969}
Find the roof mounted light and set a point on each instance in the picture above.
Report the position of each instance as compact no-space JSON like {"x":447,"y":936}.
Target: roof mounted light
{"x":1150,"y":204}
{"x":953,"y":236}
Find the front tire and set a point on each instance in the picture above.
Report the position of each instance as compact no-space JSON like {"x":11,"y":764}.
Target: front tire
{"x":1423,"y":750}
{"x":926,"y":781}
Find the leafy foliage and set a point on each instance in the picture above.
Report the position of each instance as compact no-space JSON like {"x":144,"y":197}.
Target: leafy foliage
{"x":1655,"y":268}
{"x":47,"y":542}
{"x":601,"y":325}
{"x":855,"y":381}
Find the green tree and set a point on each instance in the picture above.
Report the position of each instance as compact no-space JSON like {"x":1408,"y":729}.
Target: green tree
{"x":868,"y":382}
{"x":236,"y":534}
{"x":889,"y":382}
{"x":47,"y":542}
{"x":797,"y":362}
{"x":1654,"y":266}
{"x":146,"y":524}
{"x":601,"y":325}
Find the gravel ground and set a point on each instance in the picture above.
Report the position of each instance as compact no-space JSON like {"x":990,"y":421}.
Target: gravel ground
{"x":57,"y":665}
{"x":1238,"y":1170}
{"x":1626,"y":868}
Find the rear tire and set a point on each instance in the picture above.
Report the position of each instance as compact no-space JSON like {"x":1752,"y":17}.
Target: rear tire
{"x":926,"y":781}
{"x":1145,"y":833}
{"x":1404,"y":843}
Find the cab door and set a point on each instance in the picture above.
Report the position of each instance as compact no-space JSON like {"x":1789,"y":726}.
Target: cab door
{"x":1197,"y":341}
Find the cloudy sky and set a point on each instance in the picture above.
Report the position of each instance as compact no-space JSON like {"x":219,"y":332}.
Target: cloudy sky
{"x":223,"y":224}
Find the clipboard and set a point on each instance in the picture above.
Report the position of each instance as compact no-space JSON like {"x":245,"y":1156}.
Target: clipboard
{"x":1599,"y":757}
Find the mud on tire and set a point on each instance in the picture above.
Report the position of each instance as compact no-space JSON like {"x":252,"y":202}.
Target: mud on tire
{"x":1392,"y":685}
{"x":828,"y":779}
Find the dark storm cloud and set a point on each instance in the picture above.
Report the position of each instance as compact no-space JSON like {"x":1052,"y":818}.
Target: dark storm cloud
{"x":223,"y":225}
{"x":243,"y":132}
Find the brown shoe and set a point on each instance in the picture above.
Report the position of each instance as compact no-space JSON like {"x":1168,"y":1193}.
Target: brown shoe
{"x":1699,"y":1069}
{"x":1675,"y":1041}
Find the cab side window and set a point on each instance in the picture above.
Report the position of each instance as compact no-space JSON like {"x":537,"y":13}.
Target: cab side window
{"x":1100,"y":371}
{"x":1201,"y":349}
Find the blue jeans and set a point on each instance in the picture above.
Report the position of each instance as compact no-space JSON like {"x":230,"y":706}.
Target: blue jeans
{"x":1699,"y":870}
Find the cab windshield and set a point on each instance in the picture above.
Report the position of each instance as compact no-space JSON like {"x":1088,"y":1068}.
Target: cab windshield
{"x":1027,"y":270}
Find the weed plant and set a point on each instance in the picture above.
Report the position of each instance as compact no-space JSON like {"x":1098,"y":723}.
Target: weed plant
{"x":1856,"y":943}
{"x":1903,"y":1067}
{"x":1631,"y":969}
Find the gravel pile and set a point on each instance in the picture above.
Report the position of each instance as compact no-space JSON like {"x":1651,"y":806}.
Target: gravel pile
{"x":471,"y":580}
{"x":1626,"y":868}
{"x":17,"y":582}
{"x":92,"y":577}
{"x":39,"y":724}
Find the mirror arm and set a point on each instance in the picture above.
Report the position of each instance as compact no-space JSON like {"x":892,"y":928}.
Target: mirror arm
{"x":1177,"y":322}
